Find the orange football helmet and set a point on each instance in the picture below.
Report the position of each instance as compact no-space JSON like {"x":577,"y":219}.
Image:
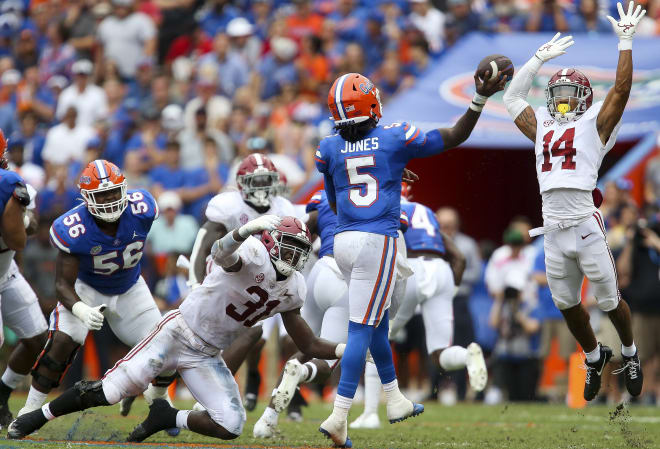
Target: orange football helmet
{"x":97,"y":180}
{"x":354,"y":99}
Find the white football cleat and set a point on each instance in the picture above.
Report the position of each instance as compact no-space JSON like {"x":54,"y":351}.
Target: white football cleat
{"x":263,"y":429}
{"x":476,"y":367}
{"x":366,"y":421}
{"x":402,"y":408}
{"x":292,"y":376}
{"x":337,"y":430}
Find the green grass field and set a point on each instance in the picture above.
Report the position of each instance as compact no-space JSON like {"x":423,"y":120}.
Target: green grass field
{"x":511,"y":426}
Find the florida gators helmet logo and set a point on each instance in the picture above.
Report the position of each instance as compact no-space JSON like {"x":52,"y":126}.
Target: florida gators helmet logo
{"x":353,"y":98}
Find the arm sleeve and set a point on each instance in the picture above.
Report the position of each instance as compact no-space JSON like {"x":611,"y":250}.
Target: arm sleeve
{"x":516,"y":94}
{"x":417,"y":143}
{"x":224,"y":251}
{"x":330,"y":189}
{"x":321,"y":164}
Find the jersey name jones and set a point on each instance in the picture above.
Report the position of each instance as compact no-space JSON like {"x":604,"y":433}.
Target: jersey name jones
{"x":361,"y":145}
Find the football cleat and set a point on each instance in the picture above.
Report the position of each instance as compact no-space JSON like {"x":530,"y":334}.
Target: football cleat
{"x":366,"y":421}
{"x":476,"y":367}
{"x":336,"y":429}
{"x":263,"y":429}
{"x":634,"y":378}
{"x":5,"y":415}
{"x":26,"y":424}
{"x":292,"y":376}
{"x":154,"y":393}
{"x":250,"y":401}
{"x":154,"y":422}
{"x":125,"y":405}
{"x":402,"y":408}
{"x":594,"y":373}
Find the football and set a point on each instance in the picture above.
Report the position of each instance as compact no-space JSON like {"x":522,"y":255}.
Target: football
{"x":494,"y":64}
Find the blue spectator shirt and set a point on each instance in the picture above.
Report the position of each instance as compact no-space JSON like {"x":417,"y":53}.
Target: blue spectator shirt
{"x":546,"y":306}
{"x":275,"y":75}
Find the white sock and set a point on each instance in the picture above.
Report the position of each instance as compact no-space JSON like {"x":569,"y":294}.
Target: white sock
{"x":392,"y":392}
{"x":45,"y":409}
{"x":371,"y":389}
{"x":627,"y":351}
{"x":270,"y":416}
{"x":311,"y":371}
{"x":342,"y":406}
{"x":12,"y":379}
{"x":453,"y":358}
{"x":594,"y":355}
{"x":35,"y":399}
{"x":182,"y":419}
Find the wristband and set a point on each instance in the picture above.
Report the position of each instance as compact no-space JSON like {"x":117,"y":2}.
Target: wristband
{"x":625,"y":44}
{"x":478,"y":102}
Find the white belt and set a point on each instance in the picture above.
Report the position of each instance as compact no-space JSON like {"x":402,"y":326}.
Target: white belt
{"x":557,"y":226}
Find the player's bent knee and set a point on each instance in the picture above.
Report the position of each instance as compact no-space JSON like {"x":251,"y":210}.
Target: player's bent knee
{"x":229,"y":423}
{"x":608,"y":304}
{"x":54,"y":360}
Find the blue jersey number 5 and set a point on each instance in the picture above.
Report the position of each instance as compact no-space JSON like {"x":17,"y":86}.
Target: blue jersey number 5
{"x":367,"y":193}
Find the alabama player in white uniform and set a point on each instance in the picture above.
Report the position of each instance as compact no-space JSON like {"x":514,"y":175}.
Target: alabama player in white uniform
{"x":571,"y":137}
{"x":252,"y":280}
{"x":22,"y":314}
{"x":258,"y":187}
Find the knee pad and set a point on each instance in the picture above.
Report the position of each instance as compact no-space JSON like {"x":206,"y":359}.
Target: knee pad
{"x":608,"y":304}
{"x":90,"y":393}
{"x":47,"y":362}
{"x":232,"y":418}
{"x":164,"y":381}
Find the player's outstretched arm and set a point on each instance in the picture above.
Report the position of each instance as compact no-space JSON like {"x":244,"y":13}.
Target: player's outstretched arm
{"x":208,"y":233}
{"x":12,"y":226}
{"x":615,"y":102}
{"x":224,"y":250}
{"x":515,"y":97}
{"x":308,"y":343}
{"x":456,"y":135}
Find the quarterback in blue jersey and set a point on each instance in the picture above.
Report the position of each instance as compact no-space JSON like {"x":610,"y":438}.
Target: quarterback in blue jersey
{"x":97,"y":276}
{"x":363,"y":166}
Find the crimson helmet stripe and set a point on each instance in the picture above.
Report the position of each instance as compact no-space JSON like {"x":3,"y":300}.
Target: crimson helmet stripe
{"x":338,"y":90}
{"x":101,"y":169}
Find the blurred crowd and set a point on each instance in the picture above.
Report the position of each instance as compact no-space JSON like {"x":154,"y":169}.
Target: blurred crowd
{"x":176,"y":92}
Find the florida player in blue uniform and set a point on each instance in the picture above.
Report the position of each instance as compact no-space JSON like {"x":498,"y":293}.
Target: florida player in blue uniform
{"x":363,"y":165}
{"x":98,"y":277}
{"x":438,"y":267}
{"x":325,"y":311}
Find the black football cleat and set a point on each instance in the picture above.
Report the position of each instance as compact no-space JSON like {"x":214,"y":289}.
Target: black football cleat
{"x":5,"y":415}
{"x":125,"y":405}
{"x":594,"y":373}
{"x":162,"y":416}
{"x":633,"y":376}
{"x":250,"y":401}
{"x":26,"y":424}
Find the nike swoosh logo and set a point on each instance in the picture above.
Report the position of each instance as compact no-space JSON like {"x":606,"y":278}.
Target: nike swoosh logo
{"x":602,"y":367}
{"x":585,"y":236}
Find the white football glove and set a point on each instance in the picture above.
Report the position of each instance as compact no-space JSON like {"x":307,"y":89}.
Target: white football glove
{"x":92,"y":317}
{"x":556,"y":47}
{"x":627,"y":24}
{"x":259,"y":224}
{"x":339,"y":350}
